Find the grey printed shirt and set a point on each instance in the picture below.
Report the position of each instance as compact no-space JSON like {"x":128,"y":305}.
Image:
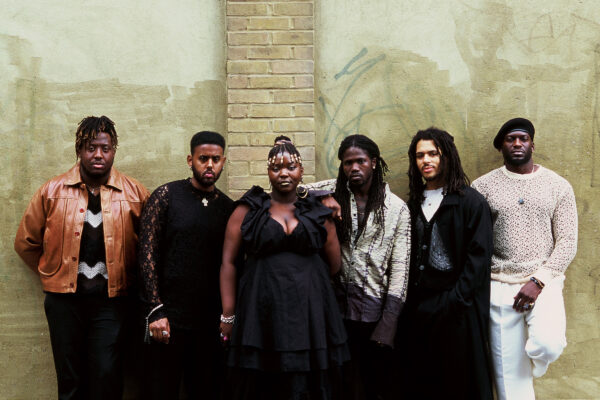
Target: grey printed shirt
{"x":375,"y":268}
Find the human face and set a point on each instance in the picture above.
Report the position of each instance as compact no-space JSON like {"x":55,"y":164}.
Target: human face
{"x":517,"y":148}
{"x":358,"y":167}
{"x":206,"y":163}
{"x":429,"y":158}
{"x":285,"y":174}
{"x":97,"y":156}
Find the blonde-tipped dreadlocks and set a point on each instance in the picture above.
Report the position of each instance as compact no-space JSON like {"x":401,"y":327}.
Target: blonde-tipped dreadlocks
{"x":283,"y":145}
{"x":89,"y":127}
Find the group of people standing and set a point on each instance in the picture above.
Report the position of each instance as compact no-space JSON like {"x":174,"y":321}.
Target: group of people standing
{"x":330,"y":290}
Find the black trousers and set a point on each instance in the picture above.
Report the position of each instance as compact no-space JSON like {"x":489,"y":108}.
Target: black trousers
{"x":367,"y":374}
{"x":193,"y":358}
{"x":86,"y":332}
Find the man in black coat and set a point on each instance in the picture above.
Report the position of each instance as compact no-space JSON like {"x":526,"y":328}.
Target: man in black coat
{"x":444,"y":328}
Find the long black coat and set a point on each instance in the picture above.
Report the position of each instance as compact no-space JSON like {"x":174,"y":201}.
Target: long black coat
{"x":445,"y":324}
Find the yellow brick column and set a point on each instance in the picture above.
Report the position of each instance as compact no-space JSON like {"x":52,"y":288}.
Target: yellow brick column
{"x":270,"y":86}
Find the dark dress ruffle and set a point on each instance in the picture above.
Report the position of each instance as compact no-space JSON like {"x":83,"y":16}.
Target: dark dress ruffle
{"x":287,"y":317}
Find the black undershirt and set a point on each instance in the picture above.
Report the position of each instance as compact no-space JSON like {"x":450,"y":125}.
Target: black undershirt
{"x":92,"y":275}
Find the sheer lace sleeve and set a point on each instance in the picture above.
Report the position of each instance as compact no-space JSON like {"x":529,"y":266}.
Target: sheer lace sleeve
{"x":151,"y":228}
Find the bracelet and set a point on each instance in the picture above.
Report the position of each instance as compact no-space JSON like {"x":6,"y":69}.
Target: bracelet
{"x":539,"y":283}
{"x":147,"y":333}
{"x":227,"y":320}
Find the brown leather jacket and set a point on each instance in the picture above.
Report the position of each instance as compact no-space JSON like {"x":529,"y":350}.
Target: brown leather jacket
{"x":49,"y":235}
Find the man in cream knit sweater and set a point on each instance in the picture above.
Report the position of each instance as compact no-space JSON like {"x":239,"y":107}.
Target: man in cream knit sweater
{"x":535,"y":240}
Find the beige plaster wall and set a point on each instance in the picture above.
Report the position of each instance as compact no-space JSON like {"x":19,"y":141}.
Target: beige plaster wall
{"x":389,"y":68}
{"x":385,"y":68}
{"x":154,"y":67}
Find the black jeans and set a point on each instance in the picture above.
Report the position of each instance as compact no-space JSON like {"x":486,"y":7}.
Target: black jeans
{"x":367,"y":374}
{"x":86,"y":332}
{"x":193,"y":358}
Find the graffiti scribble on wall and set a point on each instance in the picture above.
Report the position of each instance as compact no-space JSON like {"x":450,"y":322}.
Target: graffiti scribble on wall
{"x":388,"y":97}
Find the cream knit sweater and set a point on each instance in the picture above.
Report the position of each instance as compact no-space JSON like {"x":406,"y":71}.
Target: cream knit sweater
{"x":535,"y":223}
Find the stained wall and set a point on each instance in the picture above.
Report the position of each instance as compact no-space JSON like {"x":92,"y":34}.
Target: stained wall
{"x":154,"y":67}
{"x":384,"y":68}
{"x":390,"y":68}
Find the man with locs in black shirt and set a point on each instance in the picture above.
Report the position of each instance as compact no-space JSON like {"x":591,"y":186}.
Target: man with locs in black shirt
{"x":181,"y":241}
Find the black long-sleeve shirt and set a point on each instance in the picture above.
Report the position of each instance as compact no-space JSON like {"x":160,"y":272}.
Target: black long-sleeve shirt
{"x":181,"y":244}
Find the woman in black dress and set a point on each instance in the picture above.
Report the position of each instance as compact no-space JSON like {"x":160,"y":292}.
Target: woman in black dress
{"x":284,"y":331}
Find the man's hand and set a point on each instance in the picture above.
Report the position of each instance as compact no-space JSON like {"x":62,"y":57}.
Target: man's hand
{"x":331,"y":203}
{"x":160,"y":330}
{"x":525,"y":299}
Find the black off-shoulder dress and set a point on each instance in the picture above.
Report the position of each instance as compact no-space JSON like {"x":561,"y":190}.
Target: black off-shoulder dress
{"x":288,"y":339}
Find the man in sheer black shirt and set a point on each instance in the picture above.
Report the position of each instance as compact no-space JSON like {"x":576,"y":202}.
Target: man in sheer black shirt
{"x":181,"y":242}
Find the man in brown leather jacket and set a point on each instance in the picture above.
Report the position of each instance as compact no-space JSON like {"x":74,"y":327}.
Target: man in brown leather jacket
{"x":79,"y":233}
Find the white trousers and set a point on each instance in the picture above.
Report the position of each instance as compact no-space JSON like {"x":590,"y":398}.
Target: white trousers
{"x":524,"y":344}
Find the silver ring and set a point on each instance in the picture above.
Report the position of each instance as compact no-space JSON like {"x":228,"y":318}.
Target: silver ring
{"x":165,"y":333}
{"x":222,"y":334}
{"x":151,"y":334}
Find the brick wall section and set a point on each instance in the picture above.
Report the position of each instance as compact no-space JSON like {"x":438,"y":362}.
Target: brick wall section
{"x":270,"y":86}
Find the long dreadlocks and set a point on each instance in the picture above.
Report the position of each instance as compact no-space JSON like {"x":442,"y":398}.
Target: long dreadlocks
{"x":88,"y":129}
{"x":450,"y":166}
{"x":375,"y":202}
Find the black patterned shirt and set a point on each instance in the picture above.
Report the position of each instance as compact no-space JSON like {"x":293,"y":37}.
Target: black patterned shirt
{"x":92,"y":275}
{"x":181,"y":244}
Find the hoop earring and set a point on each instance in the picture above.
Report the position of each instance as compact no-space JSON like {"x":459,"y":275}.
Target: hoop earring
{"x":301,"y":191}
